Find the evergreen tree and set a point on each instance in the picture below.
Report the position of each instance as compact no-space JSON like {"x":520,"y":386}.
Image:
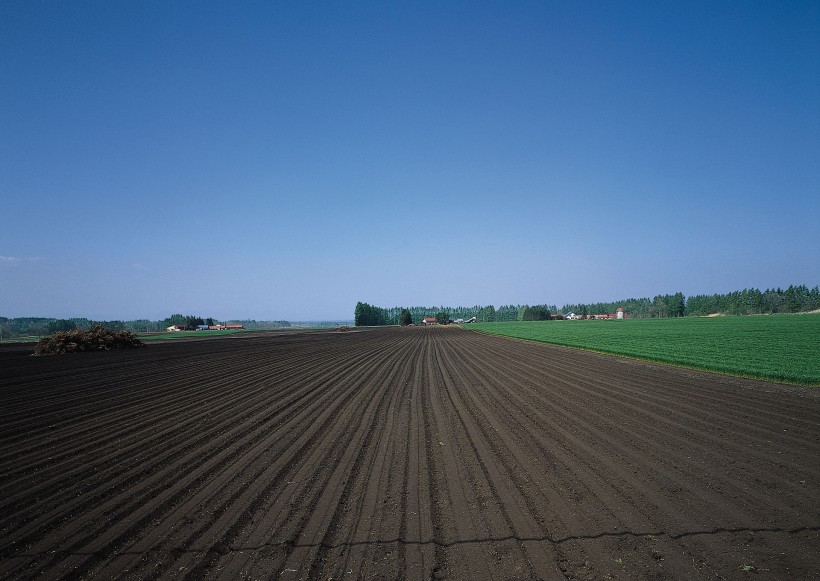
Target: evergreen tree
{"x":679,"y":305}
{"x":175,"y":319}
{"x":487,"y":314}
{"x":659,"y":307}
{"x":792,"y":299}
{"x":192,"y":322}
{"x":537,"y":313}
{"x":405,"y":319}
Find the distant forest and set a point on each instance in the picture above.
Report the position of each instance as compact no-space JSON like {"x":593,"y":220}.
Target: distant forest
{"x":369,"y":315}
{"x":39,"y":326}
{"x":794,"y":299}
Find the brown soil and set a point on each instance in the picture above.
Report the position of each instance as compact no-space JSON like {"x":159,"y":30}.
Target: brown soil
{"x":400,"y":453}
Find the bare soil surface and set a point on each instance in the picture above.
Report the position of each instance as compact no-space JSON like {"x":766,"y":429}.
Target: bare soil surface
{"x":400,"y":453}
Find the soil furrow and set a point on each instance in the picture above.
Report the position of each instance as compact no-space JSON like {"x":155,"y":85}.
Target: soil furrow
{"x":412,"y":453}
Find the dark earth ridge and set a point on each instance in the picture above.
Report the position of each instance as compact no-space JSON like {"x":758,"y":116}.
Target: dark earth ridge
{"x":400,"y":453}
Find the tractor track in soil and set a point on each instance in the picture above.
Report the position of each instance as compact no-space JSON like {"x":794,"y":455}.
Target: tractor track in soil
{"x":400,"y":453}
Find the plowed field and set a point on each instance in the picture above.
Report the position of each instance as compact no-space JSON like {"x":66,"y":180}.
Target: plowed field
{"x":400,"y":453}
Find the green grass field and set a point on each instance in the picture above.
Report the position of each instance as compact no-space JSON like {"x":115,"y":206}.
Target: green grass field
{"x":777,"y":348}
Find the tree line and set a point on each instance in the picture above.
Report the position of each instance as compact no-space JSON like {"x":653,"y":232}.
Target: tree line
{"x":670,"y":305}
{"x":752,"y":301}
{"x":191,"y":322}
{"x":794,"y":299}
{"x":39,"y":326}
{"x":370,"y":315}
{"x":15,"y":327}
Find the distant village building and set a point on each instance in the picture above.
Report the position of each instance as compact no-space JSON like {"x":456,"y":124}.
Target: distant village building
{"x":619,"y":314}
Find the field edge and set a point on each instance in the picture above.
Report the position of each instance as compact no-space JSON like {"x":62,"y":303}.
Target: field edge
{"x":702,"y":368}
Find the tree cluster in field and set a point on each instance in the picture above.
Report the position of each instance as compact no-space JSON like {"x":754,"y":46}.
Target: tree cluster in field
{"x":366,"y":315}
{"x":97,"y":338}
{"x":187,"y":322}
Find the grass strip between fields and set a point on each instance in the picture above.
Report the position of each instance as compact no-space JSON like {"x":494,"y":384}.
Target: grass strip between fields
{"x":783,"y":348}
{"x":189,"y":334}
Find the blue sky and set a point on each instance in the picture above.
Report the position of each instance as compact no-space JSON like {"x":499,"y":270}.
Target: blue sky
{"x":275,"y":160}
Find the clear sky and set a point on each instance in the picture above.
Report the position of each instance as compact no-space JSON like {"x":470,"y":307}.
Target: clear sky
{"x":284,"y":160}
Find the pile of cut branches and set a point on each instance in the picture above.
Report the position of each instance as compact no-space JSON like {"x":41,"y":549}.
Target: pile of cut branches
{"x":97,"y":338}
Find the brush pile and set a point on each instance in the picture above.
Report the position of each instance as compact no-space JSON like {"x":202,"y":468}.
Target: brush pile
{"x":97,"y":338}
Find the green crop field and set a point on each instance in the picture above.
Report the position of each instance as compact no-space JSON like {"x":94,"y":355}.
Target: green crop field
{"x":776,"y":347}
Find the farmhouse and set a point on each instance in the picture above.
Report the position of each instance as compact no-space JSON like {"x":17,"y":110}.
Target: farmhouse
{"x":620,"y":314}
{"x":429,"y":321}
